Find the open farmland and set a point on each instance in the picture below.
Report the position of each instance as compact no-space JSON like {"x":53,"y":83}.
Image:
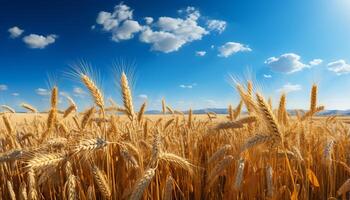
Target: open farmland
{"x":115,"y":152}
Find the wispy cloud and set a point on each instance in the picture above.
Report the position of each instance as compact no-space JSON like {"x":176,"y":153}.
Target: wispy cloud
{"x":79,"y":92}
{"x":216,"y":25}
{"x":287,"y":88}
{"x":201,"y":53}
{"x":339,"y":67}
{"x":190,"y":86}
{"x":15,"y":94}
{"x":231,"y":48}
{"x":35,"y":41}
{"x":15,"y":32}
{"x":142,"y":96}
{"x":315,"y":62}
{"x":209,"y":103}
{"x":267,"y":76}
{"x":3,"y":87}
{"x":42,"y":92}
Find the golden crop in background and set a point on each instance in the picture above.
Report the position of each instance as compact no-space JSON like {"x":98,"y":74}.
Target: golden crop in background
{"x":115,"y":152}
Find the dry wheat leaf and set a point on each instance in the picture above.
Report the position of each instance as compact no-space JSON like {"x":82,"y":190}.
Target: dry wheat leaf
{"x":312,"y":178}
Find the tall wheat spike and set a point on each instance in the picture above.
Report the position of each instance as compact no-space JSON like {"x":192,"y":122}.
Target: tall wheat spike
{"x":238,"y":110}
{"x":54,"y":97}
{"x":87,"y":117}
{"x":127,"y":97}
{"x":163,"y":106}
{"x":7,"y":124}
{"x":267,"y":116}
{"x":190,"y":116}
{"x":230,"y":113}
{"x":141,"y":112}
{"x":282,"y":108}
{"x":313,"y":99}
{"x":94,"y":91}
{"x":247,"y":99}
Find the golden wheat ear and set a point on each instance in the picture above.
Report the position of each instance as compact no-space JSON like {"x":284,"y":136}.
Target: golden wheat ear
{"x":268,"y":116}
{"x":94,"y":90}
{"x":8,"y":108}
{"x":29,"y":107}
{"x":142,"y":184}
{"x":101,"y":182}
{"x":313,"y":98}
{"x":141,"y":113}
{"x":127,"y":96}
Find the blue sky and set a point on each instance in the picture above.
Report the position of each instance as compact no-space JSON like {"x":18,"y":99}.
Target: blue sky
{"x":182,"y":50}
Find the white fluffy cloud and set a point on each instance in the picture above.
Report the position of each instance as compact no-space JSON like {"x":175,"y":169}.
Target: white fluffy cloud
{"x":119,"y":22}
{"x":15,"y":32}
{"x":166,"y":34}
{"x":201,"y":53}
{"x":148,"y":20}
{"x":110,"y":21}
{"x":286,"y":63}
{"x":315,"y":62}
{"x":216,"y":25}
{"x":42,"y":92}
{"x":339,"y":67}
{"x":290,"y":88}
{"x":231,"y":48}
{"x":190,"y":86}
{"x":39,"y":41}
{"x":161,"y":41}
{"x":3,"y":87}
{"x":126,"y":30}
{"x":173,"y":33}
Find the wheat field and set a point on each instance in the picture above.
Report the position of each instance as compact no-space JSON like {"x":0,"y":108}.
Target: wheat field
{"x":116,"y":152}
